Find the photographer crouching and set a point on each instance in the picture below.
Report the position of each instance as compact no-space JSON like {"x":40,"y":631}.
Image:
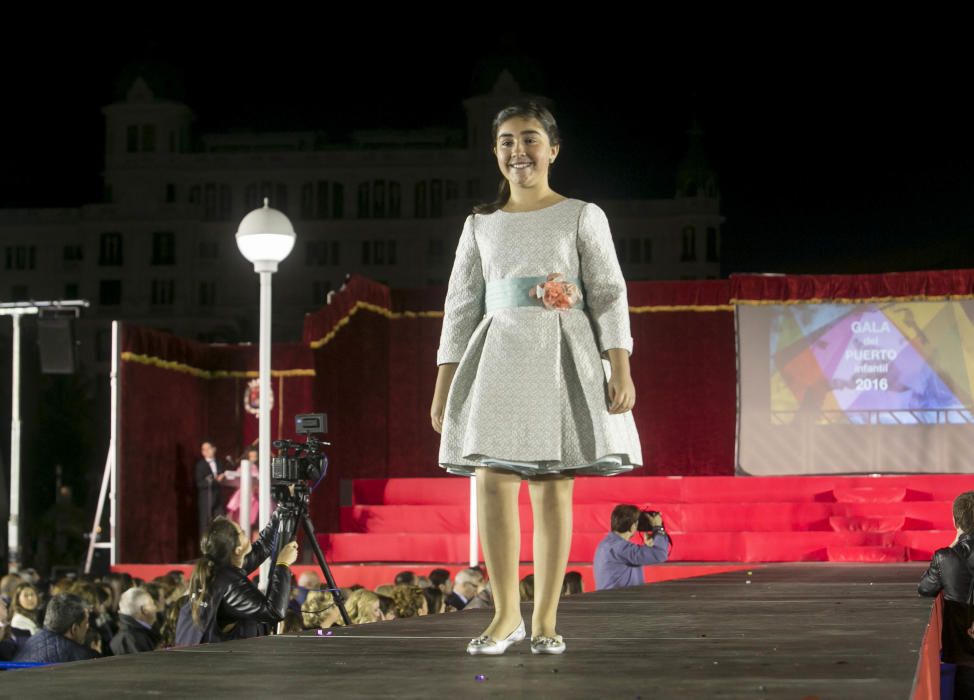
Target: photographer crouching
{"x":223,"y":603}
{"x":619,"y":562}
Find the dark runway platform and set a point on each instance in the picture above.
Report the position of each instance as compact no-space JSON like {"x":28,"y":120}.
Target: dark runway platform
{"x":785,"y":631}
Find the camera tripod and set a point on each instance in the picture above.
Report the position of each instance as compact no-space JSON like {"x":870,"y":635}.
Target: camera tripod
{"x":294,"y":509}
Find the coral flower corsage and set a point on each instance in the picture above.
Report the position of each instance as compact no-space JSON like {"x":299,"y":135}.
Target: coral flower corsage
{"x":555,"y":293}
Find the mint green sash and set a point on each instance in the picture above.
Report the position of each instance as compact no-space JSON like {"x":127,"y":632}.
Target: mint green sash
{"x":513,"y":291}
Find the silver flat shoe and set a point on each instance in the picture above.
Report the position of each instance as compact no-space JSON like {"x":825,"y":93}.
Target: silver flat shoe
{"x":493,"y":647}
{"x":548,"y":645}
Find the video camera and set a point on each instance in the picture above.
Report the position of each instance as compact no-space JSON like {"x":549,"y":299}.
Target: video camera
{"x":301,"y":461}
{"x":643,"y":524}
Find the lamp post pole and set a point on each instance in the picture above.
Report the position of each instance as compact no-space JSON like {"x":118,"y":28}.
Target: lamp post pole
{"x":265,"y":238}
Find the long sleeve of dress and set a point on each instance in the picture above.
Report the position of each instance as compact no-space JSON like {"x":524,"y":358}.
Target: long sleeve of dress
{"x":606,"y":299}
{"x":464,"y":306}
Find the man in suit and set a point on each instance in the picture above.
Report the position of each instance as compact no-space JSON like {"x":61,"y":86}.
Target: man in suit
{"x":467,"y":584}
{"x":208,"y":479}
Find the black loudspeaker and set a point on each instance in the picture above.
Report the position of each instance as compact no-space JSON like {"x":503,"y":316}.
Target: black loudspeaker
{"x":56,"y":342}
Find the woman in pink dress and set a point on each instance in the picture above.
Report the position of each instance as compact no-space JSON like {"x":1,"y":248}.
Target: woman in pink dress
{"x":233,"y":505}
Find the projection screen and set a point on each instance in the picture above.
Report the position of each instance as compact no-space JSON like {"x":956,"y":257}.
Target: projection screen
{"x":852,"y":388}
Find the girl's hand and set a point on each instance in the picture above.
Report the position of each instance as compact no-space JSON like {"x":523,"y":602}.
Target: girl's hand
{"x":622,"y":393}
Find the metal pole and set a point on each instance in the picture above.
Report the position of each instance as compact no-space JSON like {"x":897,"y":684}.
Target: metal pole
{"x":113,"y":445}
{"x":264,"y":431}
{"x":13,"y":525}
{"x":474,"y":558}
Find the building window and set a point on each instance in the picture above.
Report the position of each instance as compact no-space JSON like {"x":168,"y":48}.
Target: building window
{"x":73,"y":253}
{"x":281,"y":193}
{"x":226,"y":203}
{"x":379,"y":252}
{"x":209,"y":248}
{"x":21,"y":257}
{"x":163,"y":292}
{"x":207,"y":293}
{"x":321,"y":202}
{"x":71,"y":290}
{"x":250,"y":197}
{"x":689,"y":243}
{"x":379,"y":199}
{"x":170,"y":193}
{"x":110,"y":249}
{"x":436,"y":198}
{"x":337,"y":200}
{"x":110,"y":292}
{"x":194,"y":194}
{"x":621,"y":250}
{"x":163,"y":248}
{"x":132,"y":139}
{"x":149,"y":138}
{"x":335,"y":247}
{"x":419,"y":205}
{"x":363,"y":200}
{"x":394,"y":200}
{"x":712,"y":252}
{"x":209,"y":201}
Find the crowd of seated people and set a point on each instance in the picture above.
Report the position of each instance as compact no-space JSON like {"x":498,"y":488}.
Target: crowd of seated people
{"x":85,"y":617}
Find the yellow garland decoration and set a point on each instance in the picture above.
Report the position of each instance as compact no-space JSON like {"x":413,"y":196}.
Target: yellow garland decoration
{"x":207,"y":374}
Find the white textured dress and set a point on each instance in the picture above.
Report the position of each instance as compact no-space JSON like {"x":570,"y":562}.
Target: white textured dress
{"x":530,"y":392}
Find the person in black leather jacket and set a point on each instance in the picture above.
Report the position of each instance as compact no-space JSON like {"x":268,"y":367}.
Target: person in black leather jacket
{"x":219,"y":584}
{"x":951,"y":570}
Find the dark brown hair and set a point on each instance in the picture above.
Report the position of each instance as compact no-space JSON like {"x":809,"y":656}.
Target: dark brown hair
{"x":217,"y":546}
{"x":964,"y":511}
{"x":528,"y":109}
{"x":623,"y":516}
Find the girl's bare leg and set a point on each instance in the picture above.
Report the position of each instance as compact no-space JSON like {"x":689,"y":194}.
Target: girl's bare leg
{"x":500,"y":537}
{"x":551,"y":501}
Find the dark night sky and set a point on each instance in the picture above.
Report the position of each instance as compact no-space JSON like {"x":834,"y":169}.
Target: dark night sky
{"x":836,"y":155}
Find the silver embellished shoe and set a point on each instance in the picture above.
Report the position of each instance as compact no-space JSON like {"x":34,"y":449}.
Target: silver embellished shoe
{"x":493,"y":647}
{"x":548,"y":645}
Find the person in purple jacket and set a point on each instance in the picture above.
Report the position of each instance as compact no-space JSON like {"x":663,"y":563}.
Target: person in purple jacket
{"x":619,"y":562}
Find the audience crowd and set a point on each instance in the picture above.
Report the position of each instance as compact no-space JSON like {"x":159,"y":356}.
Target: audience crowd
{"x":86,"y":617}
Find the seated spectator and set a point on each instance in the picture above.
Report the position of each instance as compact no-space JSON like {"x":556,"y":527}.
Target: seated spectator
{"x":291,"y":624}
{"x":408,"y":577}
{"x":25,"y":606}
{"x":307,"y":581}
{"x":136,"y":616}
{"x":526,"y":588}
{"x":435,"y":600}
{"x":409,"y":601}
{"x":8,"y":645}
{"x":572,"y":584}
{"x":484,"y":600}
{"x":619,"y":562}
{"x":63,"y":635}
{"x":951,"y":570}
{"x":363,"y":606}
{"x":441,"y":579}
{"x":167,"y":635}
{"x":319,"y":611}
{"x":467,"y":584}
{"x":386,"y":606}
{"x":8,"y":584}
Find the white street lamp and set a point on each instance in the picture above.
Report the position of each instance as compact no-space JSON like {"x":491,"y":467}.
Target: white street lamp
{"x":265,"y":238}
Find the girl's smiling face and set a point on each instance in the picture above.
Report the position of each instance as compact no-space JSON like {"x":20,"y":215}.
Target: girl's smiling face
{"x":524,"y":151}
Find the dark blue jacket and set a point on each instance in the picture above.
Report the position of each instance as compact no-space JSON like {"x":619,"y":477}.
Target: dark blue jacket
{"x":49,"y":648}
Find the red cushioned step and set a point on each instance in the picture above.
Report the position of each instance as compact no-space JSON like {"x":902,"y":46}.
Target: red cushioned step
{"x":862,"y":524}
{"x":869,"y":494}
{"x":867,"y":554}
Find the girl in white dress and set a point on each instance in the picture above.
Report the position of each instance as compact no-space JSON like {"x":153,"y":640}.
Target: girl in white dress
{"x":521,"y":391}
